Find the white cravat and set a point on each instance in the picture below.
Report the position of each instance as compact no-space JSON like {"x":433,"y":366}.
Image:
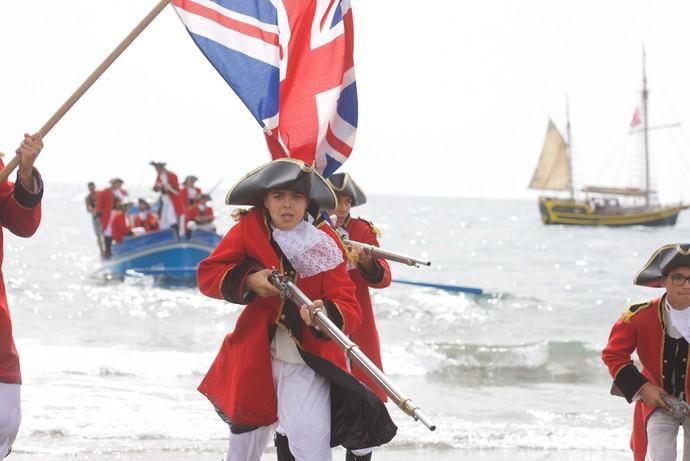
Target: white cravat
{"x":679,"y":321}
{"x":309,"y":250}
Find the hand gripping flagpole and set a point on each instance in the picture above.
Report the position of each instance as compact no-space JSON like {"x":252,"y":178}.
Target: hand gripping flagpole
{"x":12,"y":164}
{"x":291,"y":291}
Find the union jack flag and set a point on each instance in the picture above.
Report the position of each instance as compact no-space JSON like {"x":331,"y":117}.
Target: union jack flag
{"x":291,"y":63}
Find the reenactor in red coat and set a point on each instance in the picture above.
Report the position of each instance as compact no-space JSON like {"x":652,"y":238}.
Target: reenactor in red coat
{"x":365,"y":271}
{"x":119,"y":225}
{"x":20,"y":213}
{"x":201,"y":213}
{"x":145,"y":218}
{"x":659,"y":331}
{"x":275,"y":367}
{"x":105,"y":200}
{"x":189,"y":193}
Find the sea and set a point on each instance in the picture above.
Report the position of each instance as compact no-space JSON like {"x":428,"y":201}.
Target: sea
{"x":110,"y":367}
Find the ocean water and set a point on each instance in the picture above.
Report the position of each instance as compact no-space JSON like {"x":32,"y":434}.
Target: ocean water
{"x":110,"y":368}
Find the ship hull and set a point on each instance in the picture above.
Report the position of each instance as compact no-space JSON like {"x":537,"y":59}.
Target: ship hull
{"x":580,"y":213}
{"x":162,"y":255}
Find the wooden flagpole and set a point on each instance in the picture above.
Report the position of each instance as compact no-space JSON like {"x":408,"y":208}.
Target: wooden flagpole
{"x":89,"y":81}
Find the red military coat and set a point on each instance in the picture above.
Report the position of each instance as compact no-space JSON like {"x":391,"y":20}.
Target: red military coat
{"x":194,"y":212}
{"x":149,"y":223}
{"x":20,"y":213}
{"x":184,"y":196}
{"x":240,"y":381}
{"x":366,"y":336}
{"x":175,"y":196}
{"x":641,"y":328}
{"x":119,"y":227}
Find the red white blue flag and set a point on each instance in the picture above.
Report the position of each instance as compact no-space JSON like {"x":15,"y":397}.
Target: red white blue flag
{"x":291,"y":63}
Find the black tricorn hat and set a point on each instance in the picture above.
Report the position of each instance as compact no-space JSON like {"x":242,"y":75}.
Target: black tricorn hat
{"x":343,"y":184}
{"x":663,"y":261}
{"x":158,"y":164}
{"x":283,"y":173}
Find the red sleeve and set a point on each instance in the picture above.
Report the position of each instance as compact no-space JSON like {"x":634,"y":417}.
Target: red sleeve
{"x":228,"y":255}
{"x":20,"y":210}
{"x":192,"y":213}
{"x":120,"y":228}
{"x":382,"y":277}
{"x":172,"y":180}
{"x":157,"y":184}
{"x":617,"y":355}
{"x":338,"y":288}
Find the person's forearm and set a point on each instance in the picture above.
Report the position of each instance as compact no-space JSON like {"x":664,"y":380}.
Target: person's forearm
{"x":27,"y":179}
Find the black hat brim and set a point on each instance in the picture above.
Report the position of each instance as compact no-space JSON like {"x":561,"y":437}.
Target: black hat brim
{"x":284,"y":173}
{"x":343,"y":184}
{"x":663,"y":261}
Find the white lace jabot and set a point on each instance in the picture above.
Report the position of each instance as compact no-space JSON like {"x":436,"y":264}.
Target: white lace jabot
{"x":309,"y":250}
{"x":680,"y":320}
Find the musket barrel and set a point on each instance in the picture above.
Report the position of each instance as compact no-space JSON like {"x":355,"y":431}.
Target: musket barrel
{"x":390,"y":255}
{"x":291,"y":290}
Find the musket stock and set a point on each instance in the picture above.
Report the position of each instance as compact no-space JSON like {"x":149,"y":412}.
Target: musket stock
{"x":291,"y":291}
{"x":389,"y":255}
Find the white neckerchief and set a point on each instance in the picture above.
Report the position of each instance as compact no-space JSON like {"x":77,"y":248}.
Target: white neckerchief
{"x":678,"y":321}
{"x":309,"y":250}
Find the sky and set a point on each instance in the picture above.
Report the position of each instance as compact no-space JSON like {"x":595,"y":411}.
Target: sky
{"x":454,"y":95}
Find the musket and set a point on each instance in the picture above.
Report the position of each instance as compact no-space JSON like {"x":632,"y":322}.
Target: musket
{"x":389,"y":255}
{"x":289,"y":290}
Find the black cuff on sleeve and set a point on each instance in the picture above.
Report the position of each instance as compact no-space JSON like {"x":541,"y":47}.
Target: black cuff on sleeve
{"x":374,"y":278}
{"x":24,"y":197}
{"x":629,"y":380}
{"x":233,"y":289}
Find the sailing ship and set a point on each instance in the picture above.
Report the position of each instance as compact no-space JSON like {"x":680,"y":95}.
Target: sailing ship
{"x":597,"y":205}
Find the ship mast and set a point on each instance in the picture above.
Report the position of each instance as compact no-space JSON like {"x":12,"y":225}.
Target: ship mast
{"x":568,"y":150}
{"x":645,"y":127}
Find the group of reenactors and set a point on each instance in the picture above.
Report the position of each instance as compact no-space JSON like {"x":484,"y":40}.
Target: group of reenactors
{"x":277,"y":375}
{"x":180,"y":208}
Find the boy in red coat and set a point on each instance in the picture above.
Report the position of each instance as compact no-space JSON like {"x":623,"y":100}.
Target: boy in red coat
{"x":365,"y":271}
{"x":276,"y":368}
{"x":20,"y":213}
{"x":659,"y":331}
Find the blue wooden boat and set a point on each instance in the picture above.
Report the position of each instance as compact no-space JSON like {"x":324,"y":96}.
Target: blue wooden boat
{"x":161,"y":254}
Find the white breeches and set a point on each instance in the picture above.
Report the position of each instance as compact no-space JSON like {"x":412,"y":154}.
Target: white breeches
{"x":167,"y":213}
{"x":662,"y":433}
{"x":304,"y":415}
{"x":10,"y":415}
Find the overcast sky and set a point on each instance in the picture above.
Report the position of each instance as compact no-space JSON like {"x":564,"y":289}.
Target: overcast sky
{"x":454,"y":95}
